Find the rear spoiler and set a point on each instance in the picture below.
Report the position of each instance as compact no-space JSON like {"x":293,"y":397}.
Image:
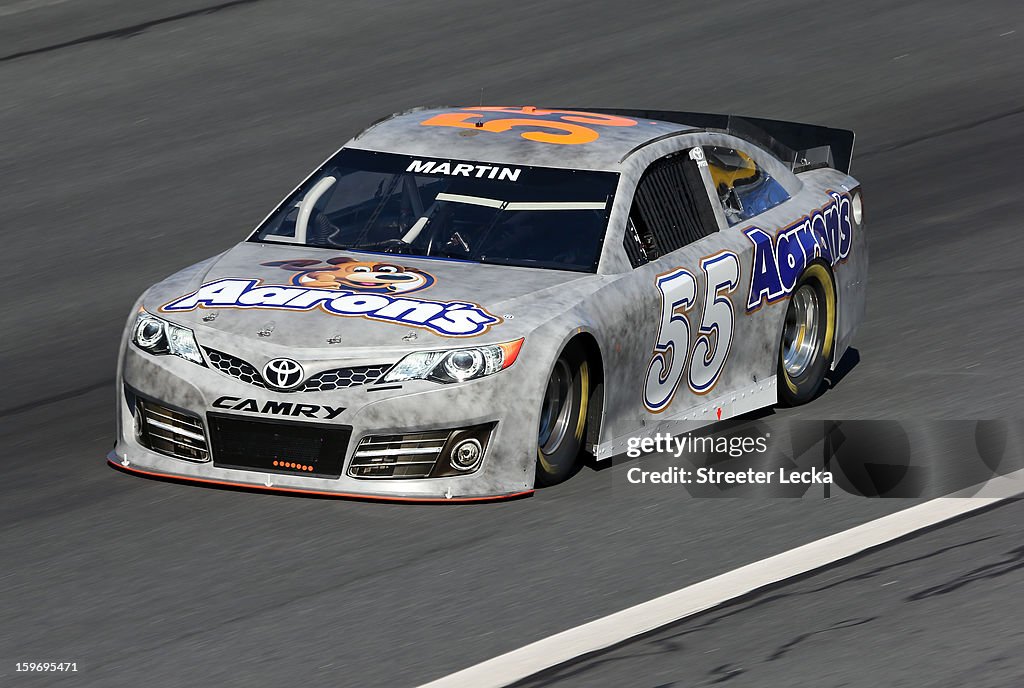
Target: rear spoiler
{"x":800,"y":146}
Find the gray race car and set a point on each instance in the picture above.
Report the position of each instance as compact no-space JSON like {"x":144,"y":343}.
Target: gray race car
{"x":462,"y":303}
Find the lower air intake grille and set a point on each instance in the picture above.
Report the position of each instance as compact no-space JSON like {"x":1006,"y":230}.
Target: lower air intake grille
{"x":278,"y":447}
{"x":398,"y":456}
{"x":170,"y":432}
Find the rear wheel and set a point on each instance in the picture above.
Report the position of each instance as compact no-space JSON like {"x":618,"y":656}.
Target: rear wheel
{"x":563,"y":416}
{"x":807,"y":337}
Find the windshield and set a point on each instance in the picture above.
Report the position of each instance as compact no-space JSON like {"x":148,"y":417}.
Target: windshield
{"x":486,"y":213}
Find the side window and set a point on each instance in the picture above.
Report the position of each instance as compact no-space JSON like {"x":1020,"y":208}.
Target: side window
{"x":670,"y":209}
{"x":744,"y":188}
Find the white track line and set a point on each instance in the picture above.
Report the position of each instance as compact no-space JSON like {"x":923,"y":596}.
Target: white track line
{"x":648,"y":616}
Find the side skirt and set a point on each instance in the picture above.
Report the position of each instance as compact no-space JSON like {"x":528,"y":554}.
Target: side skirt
{"x":732,"y":404}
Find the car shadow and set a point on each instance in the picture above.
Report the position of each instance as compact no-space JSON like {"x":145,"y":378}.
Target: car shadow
{"x":847,"y":363}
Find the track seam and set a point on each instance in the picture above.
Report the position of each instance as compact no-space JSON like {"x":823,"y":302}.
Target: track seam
{"x":63,"y":396}
{"x":940,"y":132}
{"x":127,"y":31}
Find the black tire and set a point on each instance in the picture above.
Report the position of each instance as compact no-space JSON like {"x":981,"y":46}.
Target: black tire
{"x":807,"y":340}
{"x":563,"y":418}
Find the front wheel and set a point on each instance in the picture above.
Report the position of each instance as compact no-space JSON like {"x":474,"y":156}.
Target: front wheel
{"x":563,"y":415}
{"x":807,"y":337}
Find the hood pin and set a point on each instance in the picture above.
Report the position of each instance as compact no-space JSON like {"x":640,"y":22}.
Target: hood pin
{"x":336,"y":339}
{"x":409,"y":337}
{"x":266,"y":331}
{"x":210,"y":317}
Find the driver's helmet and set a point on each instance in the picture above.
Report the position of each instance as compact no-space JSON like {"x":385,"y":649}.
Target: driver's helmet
{"x":730,"y":168}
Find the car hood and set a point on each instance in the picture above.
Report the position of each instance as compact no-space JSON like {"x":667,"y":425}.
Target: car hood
{"x":317,"y":298}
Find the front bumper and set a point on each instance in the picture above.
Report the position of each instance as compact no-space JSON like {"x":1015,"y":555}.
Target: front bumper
{"x":504,"y":400}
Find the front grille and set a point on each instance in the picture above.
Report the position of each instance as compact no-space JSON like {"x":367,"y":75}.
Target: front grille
{"x":343,"y":377}
{"x":398,"y":456}
{"x":235,"y":367}
{"x":168,"y":431}
{"x":278,"y":447}
{"x":325,"y":381}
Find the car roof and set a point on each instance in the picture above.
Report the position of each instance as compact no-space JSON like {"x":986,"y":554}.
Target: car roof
{"x":520,"y":135}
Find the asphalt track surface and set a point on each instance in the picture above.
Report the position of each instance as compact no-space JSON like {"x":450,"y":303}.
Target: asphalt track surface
{"x":938,"y":609}
{"x":136,"y":138}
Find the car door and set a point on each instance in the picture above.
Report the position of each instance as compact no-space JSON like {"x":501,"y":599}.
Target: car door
{"x":703,"y":351}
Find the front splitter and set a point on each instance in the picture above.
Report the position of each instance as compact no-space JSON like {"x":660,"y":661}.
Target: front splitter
{"x":171,"y":477}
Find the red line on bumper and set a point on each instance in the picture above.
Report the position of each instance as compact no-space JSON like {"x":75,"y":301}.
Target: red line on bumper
{"x":321,"y":493}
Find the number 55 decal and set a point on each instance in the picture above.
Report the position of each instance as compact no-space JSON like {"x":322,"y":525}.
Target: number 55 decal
{"x":672,"y":355}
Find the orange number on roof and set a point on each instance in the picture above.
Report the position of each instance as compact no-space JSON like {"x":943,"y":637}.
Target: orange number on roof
{"x":566,"y":128}
{"x":569,"y":115}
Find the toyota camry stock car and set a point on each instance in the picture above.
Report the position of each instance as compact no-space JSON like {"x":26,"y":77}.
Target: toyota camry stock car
{"x":463,"y":302}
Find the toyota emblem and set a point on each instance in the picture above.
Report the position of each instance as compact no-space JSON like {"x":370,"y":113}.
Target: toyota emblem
{"x":282,"y":373}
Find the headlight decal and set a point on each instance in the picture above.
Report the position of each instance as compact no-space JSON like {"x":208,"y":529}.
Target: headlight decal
{"x":157,"y":336}
{"x":455,"y":365}
{"x":511,"y":352}
{"x":149,"y":331}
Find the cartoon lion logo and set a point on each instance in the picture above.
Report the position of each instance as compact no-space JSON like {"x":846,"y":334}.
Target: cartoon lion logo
{"x":348,"y":273}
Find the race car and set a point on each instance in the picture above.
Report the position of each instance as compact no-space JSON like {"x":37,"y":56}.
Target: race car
{"x":466,"y":303}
